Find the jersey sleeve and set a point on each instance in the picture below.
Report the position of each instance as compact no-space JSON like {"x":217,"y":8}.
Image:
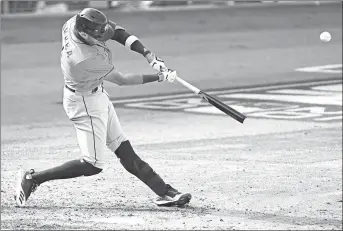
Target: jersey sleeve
{"x":96,"y":66}
{"x":119,"y":28}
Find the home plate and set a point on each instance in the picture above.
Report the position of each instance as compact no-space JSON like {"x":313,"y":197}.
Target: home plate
{"x":120,"y":220}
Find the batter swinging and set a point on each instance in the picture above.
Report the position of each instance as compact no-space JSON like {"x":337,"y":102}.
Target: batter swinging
{"x":86,"y":62}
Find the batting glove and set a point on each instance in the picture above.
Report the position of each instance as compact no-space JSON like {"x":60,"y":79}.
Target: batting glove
{"x":169,"y":75}
{"x":155,"y":62}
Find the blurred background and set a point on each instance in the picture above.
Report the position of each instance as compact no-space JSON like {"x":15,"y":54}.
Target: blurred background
{"x":14,"y":7}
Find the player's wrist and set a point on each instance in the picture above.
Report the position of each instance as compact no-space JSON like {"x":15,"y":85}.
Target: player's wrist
{"x":146,"y":52}
{"x":150,"y":78}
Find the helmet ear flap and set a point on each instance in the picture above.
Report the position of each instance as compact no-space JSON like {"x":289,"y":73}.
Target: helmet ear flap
{"x":79,"y":26}
{"x":109,"y":33}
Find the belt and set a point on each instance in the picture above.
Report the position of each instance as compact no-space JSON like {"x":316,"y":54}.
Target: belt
{"x":72,"y":90}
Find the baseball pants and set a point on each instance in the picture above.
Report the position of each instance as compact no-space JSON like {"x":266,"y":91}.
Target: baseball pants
{"x":96,"y":123}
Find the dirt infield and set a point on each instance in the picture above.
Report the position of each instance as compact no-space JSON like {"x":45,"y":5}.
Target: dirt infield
{"x":263,"y":174}
{"x":286,"y":181}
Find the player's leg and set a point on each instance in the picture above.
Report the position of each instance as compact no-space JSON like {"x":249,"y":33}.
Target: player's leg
{"x":121,"y":146}
{"x":28,"y":181}
{"x":89,"y":115}
{"x":168,"y":195}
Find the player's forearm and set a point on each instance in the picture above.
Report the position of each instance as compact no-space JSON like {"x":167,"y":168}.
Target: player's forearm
{"x":124,"y":79}
{"x":136,"y":79}
{"x":131,"y":79}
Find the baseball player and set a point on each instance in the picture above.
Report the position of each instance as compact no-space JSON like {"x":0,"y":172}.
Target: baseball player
{"x":86,"y":61}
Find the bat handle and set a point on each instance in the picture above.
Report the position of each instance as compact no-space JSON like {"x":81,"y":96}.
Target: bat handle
{"x":188,"y":85}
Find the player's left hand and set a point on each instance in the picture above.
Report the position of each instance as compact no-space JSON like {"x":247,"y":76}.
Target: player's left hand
{"x":169,"y":75}
{"x":155,"y":62}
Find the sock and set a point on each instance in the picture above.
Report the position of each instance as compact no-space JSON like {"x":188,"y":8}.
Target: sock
{"x":70,"y":169}
{"x":142,"y":170}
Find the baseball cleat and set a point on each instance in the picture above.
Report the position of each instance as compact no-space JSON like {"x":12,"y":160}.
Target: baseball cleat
{"x":24,"y":187}
{"x":173,"y":198}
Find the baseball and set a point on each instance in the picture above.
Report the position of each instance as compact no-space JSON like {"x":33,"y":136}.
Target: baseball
{"x":325,"y":36}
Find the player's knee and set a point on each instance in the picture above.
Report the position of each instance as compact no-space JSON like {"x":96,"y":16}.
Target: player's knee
{"x":90,"y":169}
{"x":113,"y":145}
{"x":99,"y":161}
{"x":125,"y":150}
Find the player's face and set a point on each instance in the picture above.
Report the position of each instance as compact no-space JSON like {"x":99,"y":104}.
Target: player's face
{"x":98,"y":31}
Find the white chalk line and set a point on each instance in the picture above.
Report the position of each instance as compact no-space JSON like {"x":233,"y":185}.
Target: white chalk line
{"x":246,"y":89}
{"x":328,"y":69}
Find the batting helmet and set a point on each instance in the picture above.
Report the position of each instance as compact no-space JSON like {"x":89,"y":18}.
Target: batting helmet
{"x":92,"y":22}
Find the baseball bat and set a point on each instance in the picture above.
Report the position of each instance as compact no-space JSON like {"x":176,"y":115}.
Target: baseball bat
{"x":214,"y":101}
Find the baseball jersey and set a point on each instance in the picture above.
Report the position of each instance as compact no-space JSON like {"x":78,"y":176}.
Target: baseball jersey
{"x":83,"y":66}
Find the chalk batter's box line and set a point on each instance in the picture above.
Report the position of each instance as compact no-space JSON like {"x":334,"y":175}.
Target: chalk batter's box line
{"x":278,"y":105}
{"x":239,"y":90}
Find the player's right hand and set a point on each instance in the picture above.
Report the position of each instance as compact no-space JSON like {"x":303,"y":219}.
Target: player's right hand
{"x":155,"y":62}
{"x":169,"y":75}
